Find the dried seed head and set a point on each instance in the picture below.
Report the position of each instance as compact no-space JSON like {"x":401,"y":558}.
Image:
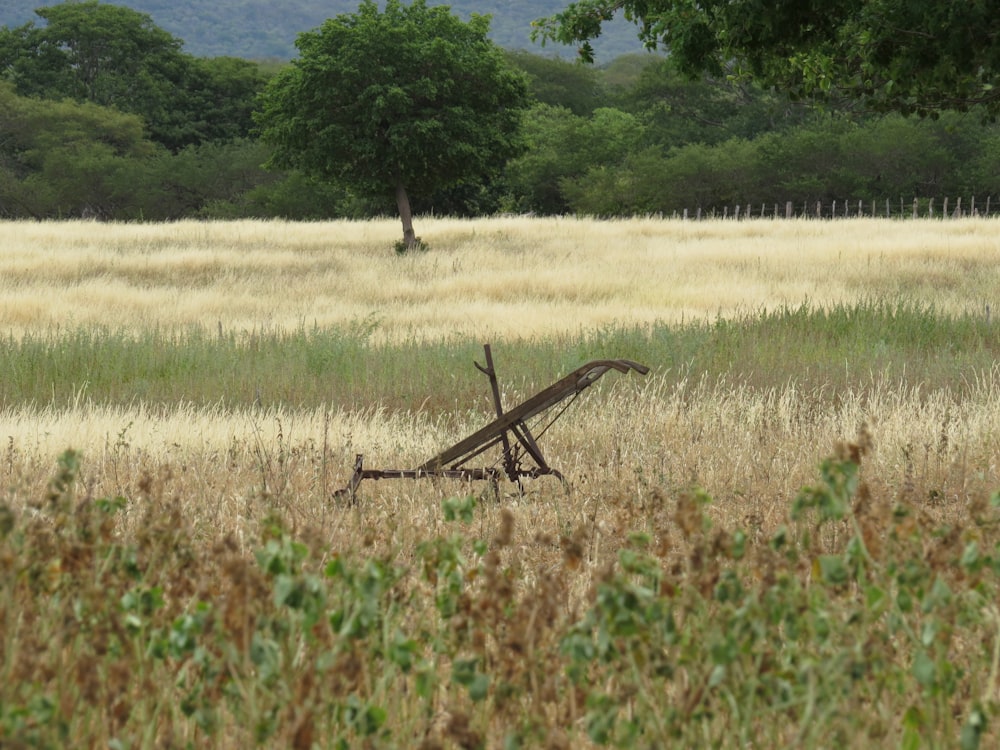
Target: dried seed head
{"x":459,"y":730}
{"x":506,"y":532}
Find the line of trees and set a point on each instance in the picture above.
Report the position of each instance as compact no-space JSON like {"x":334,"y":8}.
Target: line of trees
{"x":102,"y":114}
{"x":265,"y":29}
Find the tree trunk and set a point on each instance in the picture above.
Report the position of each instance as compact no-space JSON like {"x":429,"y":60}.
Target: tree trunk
{"x":410,"y":239}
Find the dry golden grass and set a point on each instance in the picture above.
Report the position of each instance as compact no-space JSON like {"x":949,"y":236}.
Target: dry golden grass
{"x":504,"y":277}
{"x":487,"y":278}
{"x":751,"y":450}
{"x":203,"y":483}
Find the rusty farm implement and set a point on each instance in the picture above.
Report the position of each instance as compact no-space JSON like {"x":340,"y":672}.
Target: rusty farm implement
{"x":520,"y":455}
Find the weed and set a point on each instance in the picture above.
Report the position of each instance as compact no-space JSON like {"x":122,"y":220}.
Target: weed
{"x":884,"y":632}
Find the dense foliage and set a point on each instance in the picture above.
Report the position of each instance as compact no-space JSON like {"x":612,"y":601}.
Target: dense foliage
{"x":635,"y":135}
{"x":897,"y":55}
{"x":258,"y":29}
{"x":862,"y":618}
{"x":116,"y":57}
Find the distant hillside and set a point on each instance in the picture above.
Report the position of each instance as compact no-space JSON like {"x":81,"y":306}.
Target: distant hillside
{"x":255,"y":29}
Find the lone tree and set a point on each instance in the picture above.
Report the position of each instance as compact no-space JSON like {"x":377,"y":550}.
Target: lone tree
{"x":908,"y":56}
{"x":409,"y":99}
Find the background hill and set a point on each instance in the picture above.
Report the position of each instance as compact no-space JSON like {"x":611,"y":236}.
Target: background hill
{"x":256,"y":29}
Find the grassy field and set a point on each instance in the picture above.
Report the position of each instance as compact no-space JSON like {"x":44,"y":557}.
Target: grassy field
{"x":787,"y":534}
{"x":497,"y":279}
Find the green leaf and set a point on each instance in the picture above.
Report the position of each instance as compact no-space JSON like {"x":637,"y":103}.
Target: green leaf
{"x":940,"y":595}
{"x":970,"y":555}
{"x":459,"y":508}
{"x":479,"y":687}
{"x":928,"y":632}
{"x":403,"y":650}
{"x":602,"y":715}
{"x":464,"y":672}
{"x":972,"y":730}
{"x":718,"y":676}
{"x":335,"y":568}
{"x":739,"y":545}
{"x":924,"y":669}
{"x":367,"y":719}
{"x":874,"y":597}
{"x":425,"y":680}
{"x":833,"y":570}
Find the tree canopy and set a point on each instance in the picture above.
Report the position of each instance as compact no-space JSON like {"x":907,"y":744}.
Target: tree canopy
{"x":907,"y":56}
{"x":264,"y":29}
{"x":66,"y":158}
{"x":636,"y":136}
{"x":411,"y":98}
{"x":116,"y":57}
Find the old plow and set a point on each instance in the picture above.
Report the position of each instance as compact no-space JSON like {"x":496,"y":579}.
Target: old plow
{"x":520,"y":455}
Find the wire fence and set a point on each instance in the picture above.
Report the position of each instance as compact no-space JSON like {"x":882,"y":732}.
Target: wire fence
{"x":944,"y":208}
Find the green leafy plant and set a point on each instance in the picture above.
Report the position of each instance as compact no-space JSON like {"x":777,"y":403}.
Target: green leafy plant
{"x":856,"y":620}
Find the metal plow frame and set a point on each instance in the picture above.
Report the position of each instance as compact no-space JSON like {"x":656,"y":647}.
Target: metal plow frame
{"x":509,"y":430}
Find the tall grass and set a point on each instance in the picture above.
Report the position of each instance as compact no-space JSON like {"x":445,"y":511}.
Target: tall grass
{"x":817,"y":348}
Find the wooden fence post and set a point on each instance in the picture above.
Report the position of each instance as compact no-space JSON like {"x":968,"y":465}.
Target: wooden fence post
{"x":930,"y":208}
{"x":944,"y":210}
{"x":914,"y":208}
{"x":788,"y":209}
{"x":958,"y":207}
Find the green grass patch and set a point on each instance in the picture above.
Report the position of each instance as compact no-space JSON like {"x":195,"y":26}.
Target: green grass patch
{"x":821,"y":349}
